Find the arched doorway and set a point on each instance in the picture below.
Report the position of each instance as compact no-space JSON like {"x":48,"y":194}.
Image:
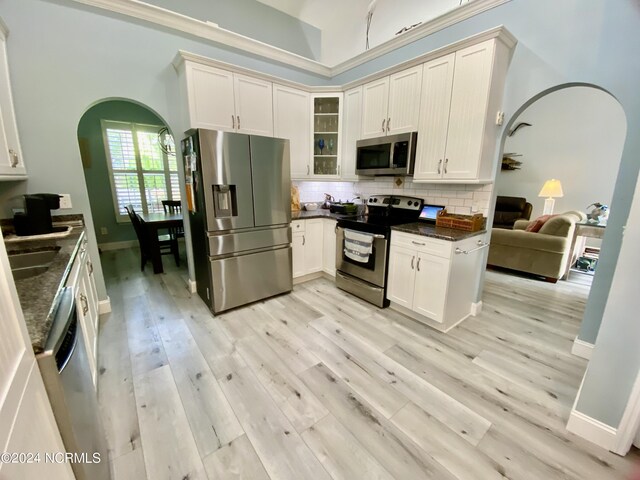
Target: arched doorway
{"x":128,"y":156}
{"x":573,"y":134}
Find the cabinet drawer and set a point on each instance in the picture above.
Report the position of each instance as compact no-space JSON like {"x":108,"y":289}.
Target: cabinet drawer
{"x":431,"y":246}
{"x":297,"y":226}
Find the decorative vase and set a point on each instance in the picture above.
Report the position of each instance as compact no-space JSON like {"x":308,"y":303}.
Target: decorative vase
{"x":321,"y":145}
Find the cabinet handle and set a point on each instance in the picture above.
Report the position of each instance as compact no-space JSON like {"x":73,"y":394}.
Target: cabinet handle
{"x":446,"y":162}
{"x":418,"y":264}
{"x":338,"y":170}
{"x":90,"y":265}
{"x":238,"y":122}
{"x":233,"y":122}
{"x":418,"y":243}
{"x":85,"y":304}
{"x":383,"y":120}
{"x":388,"y":123}
{"x":307,"y":169}
{"x":304,"y":240}
{"x":439,"y":166}
{"x":412,"y":260}
{"x":14,"y":158}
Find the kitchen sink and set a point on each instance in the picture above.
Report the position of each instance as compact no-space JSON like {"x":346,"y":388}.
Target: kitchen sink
{"x":30,"y":264}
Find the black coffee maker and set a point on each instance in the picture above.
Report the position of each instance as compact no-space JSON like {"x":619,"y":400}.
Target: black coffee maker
{"x":36,"y":219}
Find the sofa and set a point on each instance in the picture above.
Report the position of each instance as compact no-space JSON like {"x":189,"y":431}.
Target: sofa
{"x":509,"y":210}
{"x":544,"y":253}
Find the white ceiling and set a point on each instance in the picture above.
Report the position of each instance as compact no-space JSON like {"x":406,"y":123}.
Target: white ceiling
{"x":342,"y":22}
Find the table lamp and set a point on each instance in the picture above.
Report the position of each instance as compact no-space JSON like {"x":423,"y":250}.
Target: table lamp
{"x":551,"y":189}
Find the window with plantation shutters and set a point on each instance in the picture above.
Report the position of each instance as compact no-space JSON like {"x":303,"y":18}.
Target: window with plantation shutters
{"x":142,"y":165}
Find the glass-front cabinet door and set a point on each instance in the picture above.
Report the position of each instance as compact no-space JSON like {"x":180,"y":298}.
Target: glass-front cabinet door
{"x":327,"y":122}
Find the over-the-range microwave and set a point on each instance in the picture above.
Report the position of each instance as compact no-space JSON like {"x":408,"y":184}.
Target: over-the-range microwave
{"x":390,"y":155}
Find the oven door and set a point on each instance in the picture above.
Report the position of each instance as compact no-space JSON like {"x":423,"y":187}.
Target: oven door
{"x":374,"y":271}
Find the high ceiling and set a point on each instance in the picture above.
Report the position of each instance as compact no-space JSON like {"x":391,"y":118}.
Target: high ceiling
{"x":343,"y":22}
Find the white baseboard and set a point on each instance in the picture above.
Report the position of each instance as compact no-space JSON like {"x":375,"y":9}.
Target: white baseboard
{"x":592,"y":430}
{"x":104,"y":306}
{"x":476,"y":308}
{"x":306,"y":278}
{"x":192,"y":286}
{"x":582,"y":349}
{"x":118,"y":245}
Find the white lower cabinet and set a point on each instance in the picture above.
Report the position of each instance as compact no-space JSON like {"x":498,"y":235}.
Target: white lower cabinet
{"x":434,"y":281}
{"x":314,"y":246}
{"x":329,"y":247}
{"x":83,"y":282}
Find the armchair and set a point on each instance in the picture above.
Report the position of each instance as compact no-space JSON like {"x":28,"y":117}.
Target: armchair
{"x":509,"y":210}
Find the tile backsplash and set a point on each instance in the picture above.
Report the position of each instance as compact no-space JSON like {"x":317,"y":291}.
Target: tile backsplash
{"x":458,"y":198}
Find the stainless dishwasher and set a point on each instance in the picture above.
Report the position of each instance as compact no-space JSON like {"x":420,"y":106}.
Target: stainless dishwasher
{"x":65,"y":370}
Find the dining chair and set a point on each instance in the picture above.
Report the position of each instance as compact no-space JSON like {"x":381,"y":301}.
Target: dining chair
{"x":174,"y":206}
{"x":168,"y":244}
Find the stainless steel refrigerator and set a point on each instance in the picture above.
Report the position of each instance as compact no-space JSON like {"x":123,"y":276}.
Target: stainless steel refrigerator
{"x":240,"y":214}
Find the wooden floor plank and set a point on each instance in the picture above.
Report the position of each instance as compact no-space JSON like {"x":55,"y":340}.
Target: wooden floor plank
{"x":128,"y":466}
{"x":279,"y":447}
{"x":210,"y":416}
{"x":342,"y":455}
{"x":145,"y":346}
{"x":170,"y":451}
{"x":388,"y":445}
{"x":237,"y":460}
{"x":295,"y":400}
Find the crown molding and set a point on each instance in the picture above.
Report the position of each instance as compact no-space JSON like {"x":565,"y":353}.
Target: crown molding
{"x":208,"y":31}
{"x":212,"y":32}
{"x":425,"y":29}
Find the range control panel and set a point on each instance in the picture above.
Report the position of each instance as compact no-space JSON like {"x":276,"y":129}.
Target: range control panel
{"x":395,"y":202}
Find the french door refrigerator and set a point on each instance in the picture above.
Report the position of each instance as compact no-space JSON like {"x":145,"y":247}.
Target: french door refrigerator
{"x":240,"y":215}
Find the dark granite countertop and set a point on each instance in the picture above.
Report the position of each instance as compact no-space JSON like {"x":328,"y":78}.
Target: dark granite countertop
{"x":428,"y":230}
{"x":39,"y":295}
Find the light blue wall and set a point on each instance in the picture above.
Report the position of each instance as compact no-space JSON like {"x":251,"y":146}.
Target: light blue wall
{"x":97,"y":173}
{"x":64,"y":57}
{"x":255,"y":20}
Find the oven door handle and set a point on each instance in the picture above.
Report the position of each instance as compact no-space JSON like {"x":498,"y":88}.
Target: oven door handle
{"x":374,"y":235}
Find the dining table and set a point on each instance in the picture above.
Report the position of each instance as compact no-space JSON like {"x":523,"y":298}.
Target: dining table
{"x":153,"y":223}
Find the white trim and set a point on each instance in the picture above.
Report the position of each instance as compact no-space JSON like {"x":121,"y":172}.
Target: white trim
{"x":636,"y":442}
{"x":445,"y":20}
{"x":582,"y":349}
{"x":208,"y":31}
{"x":117,"y":245}
{"x":629,"y":428}
{"x":307,"y":277}
{"x":591,"y":429}
{"x":191,"y":284}
{"x":104,"y":306}
{"x":476,"y":308}
{"x":211,"y":31}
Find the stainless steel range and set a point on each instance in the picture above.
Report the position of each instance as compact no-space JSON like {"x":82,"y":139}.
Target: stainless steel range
{"x":362,"y":245}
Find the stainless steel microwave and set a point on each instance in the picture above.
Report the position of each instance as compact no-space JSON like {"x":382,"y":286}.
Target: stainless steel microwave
{"x":390,"y":155}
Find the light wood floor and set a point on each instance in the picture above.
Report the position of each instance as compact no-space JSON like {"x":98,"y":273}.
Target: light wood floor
{"x":318,"y":384}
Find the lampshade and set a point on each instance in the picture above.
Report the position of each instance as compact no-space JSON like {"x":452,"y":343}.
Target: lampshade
{"x":551,"y":188}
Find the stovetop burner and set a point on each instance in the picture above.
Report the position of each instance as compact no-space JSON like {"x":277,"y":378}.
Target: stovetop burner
{"x":385,"y":211}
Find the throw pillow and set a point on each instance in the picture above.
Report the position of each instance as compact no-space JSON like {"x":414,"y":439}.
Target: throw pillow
{"x":537,"y":224}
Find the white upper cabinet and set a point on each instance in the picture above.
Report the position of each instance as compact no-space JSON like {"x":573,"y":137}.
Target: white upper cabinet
{"x":326,"y":139}
{"x":461,"y":96}
{"x":391,"y":105}
{"x":375,"y":100}
{"x":210,"y":98}
{"x":291,"y":113}
{"x":437,"y":81}
{"x":220,"y":100}
{"x":404,"y":101}
{"x":254,"y":114}
{"x":469,"y":100}
{"x":352,"y":126}
{"x":11,"y":160}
